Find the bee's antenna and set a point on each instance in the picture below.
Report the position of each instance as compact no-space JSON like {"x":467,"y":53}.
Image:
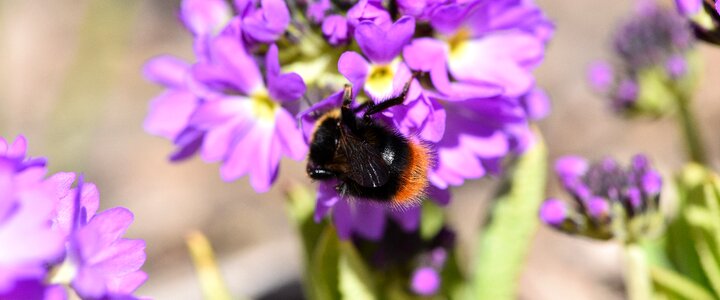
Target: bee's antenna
{"x":307,"y":100}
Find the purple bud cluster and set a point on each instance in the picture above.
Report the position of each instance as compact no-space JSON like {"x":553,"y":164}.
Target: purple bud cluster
{"x":653,"y":39}
{"x":607,"y":198}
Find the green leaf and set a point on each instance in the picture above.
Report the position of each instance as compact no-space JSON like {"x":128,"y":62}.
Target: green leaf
{"x":677,"y":286}
{"x":320,"y":245}
{"x":680,"y":245}
{"x":323,"y":267}
{"x":503,"y":245}
{"x":433,"y":220}
{"x":453,"y":285}
{"x":301,"y":208}
{"x":356,"y":281}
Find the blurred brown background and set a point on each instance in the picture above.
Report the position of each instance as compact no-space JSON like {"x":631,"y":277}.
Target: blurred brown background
{"x":71,"y":83}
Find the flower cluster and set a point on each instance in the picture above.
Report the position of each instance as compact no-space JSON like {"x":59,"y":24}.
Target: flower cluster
{"x":53,"y":237}
{"x":225,"y":105}
{"x":609,"y":201}
{"x":471,"y":105}
{"x":654,"y":61}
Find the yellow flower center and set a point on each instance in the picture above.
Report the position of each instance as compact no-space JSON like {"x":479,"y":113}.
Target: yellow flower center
{"x":379,"y":80}
{"x":263,"y":107}
{"x":458,"y":41}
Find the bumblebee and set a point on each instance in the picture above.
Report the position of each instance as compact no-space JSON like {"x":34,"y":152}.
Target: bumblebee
{"x":368,"y":159}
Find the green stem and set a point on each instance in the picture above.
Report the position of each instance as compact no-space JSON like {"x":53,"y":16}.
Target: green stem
{"x":693,"y":139}
{"x":637,"y":274}
{"x":678,"y":284}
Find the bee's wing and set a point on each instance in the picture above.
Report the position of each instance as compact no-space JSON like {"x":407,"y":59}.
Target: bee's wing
{"x":367,"y":167}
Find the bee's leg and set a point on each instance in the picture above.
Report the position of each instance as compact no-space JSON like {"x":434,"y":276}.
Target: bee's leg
{"x":362,"y":106}
{"x":347,"y":116}
{"x":399,"y":99}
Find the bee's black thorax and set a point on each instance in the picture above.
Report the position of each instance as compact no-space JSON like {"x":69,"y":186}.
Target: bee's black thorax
{"x":326,"y":161}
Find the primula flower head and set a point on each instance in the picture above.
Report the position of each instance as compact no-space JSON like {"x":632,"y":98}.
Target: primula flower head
{"x":609,"y":201}
{"x":53,"y":237}
{"x":27,"y":202}
{"x":224,"y":106}
{"x":654,"y":62}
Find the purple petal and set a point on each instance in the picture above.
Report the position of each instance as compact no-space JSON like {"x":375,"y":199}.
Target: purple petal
{"x":188,"y":142}
{"x":335,"y":29}
{"x":122,"y":257}
{"x":18,"y":148}
{"x":267,"y":24}
{"x":102,"y":230}
{"x":430,"y":55}
{"x":169,"y":113}
{"x":368,"y":10}
{"x":598,"y":208}
{"x":127,"y":284}
{"x":89,"y":203}
{"x":553,"y":212}
{"x":381,"y":45}
{"x":408,"y":219}
{"x":316,"y":10}
{"x":600,"y":76}
{"x":536,"y":104}
{"x":343,"y":219}
{"x":425,"y":281}
{"x":676,"y":66}
{"x":237,"y":164}
{"x":326,"y":199}
{"x":264,"y":171}
{"x":652,"y":183}
{"x":166,"y":70}
{"x":368,"y":220}
{"x":571,"y":167}
{"x":355,"y":68}
{"x":89,"y":284}
{"x":282,"y":87}
{"x":448,"y":18}
{"x":689,"y":7}
{"x":205,"y":17}
{"x":501,"y":59}
{"x":230,"y":67}
{"x":290,"y":136}
{"x":440,"y":196}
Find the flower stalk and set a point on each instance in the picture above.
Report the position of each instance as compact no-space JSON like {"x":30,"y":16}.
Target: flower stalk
{"x":690,"y":130}
{"x":637,"y":274}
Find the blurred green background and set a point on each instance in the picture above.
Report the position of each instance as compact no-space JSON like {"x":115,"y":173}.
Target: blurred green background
{"x":71,"y":83}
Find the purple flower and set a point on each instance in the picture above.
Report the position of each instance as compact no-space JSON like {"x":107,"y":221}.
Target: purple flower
{"x":365,"y":218}
{"x":600,"y":76}
{"x":52,"y":236}
{"x":425,"y":281}
{"x":368,"y":11}
{"x":676,"y":66}
{"x":243,"y":116}
{"x":494,"y":42}
{"x":107,"y":264}
{"x":264,"y":24}
{"x":317,"y":9}
{"x":652,"y":50}
{"x":380,"y":77}
{"x":27,"y":202}
{"x":606,"y":196}
{"x":335,"y":29}
{"x":205,"y":19}
{"x":362,"y":217}
{"x":688,"y":7}
{"x":651,"y":37}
